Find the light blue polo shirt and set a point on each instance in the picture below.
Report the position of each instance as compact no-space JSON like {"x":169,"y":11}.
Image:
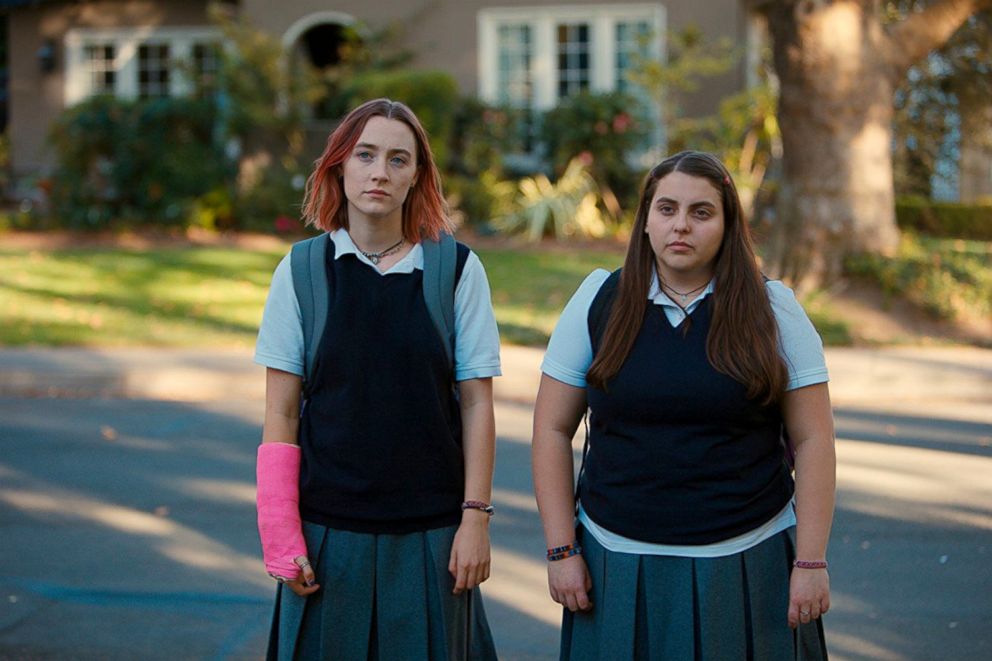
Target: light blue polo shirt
{"x":569,"y":356}
{"x":280,"y":336}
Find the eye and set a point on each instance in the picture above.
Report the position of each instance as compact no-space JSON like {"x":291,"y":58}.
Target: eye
{"x":364,"y":155}
{"x":703,"y":213}
{"x":398,"y":161}
{"x":666,"y":209}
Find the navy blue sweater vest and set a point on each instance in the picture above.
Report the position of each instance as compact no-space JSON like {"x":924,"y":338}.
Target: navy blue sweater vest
{"x":677,"y":453}
{"x":381,"y":429}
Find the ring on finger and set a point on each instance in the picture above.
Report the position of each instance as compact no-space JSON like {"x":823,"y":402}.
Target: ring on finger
{"x":804,"y":613}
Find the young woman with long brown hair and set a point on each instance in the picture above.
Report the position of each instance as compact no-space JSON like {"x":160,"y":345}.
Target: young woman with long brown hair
{"x":373,"y":500}
{"x":691,"y":538}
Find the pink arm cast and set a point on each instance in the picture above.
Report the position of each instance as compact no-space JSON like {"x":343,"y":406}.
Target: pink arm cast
{"x":278,"y":499}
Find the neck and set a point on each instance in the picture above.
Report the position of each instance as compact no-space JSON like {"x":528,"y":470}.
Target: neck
{"x":374,"y":236}
{"x":693,"y":281}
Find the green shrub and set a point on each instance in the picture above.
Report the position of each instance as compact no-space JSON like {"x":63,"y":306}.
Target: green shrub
{"x":945,"y":219}
{"x":481,"y":135}
{"x":610,"y":127}
{"x":946,"y":278}
{"x":134,"y":162}
{"x":479,"y":200}
{"x":432,"y":95}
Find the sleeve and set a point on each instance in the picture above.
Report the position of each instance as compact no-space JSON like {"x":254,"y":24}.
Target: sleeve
{"x":569,"y":353}
{"x":280,"y":336}
{"x":476,"y":333}
{"x":799,"y":343}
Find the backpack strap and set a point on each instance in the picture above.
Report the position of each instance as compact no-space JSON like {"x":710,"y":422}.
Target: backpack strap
{"x":308,"y":264}
{"x":440,"y":263}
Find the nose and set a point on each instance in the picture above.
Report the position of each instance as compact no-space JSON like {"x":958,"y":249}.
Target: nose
{"x":379,"y":170}
{"x":681,"y":223}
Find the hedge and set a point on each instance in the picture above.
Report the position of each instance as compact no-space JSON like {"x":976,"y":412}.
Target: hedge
{"x":945,"y":219}
{"x":432,"y":95}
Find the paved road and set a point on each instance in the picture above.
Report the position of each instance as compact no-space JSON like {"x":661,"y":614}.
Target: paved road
{"x":127,"y":525}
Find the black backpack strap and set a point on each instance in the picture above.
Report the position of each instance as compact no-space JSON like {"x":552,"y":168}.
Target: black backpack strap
{"x":308,"y":263}
{"x":440,"y":263}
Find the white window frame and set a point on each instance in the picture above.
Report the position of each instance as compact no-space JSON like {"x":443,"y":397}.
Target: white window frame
{"x":602,"y":20}
{"x":126,"y":42}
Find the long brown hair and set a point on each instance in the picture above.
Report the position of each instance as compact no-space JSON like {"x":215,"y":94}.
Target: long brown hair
{"x":425,"y":213}
{"x":743,"y":337}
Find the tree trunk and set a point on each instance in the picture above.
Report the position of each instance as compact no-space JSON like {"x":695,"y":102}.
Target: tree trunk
{"x":838,"y":68}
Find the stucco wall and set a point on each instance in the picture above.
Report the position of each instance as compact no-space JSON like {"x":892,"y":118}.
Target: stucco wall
{"x":443,"y":33}
{"x":36,"y":98}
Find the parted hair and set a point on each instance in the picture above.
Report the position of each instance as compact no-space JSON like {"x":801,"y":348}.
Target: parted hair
{"x":743,"y":337}
{"x":425,"y":212}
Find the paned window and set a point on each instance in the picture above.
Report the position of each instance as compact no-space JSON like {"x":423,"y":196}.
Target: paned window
{"x":206,"y":66}
{"x":633,"y":42}
{"x":513,"y":70}
{"x":100,"y":66}
{"x":573,"y":58}
{"x":153,"y":70}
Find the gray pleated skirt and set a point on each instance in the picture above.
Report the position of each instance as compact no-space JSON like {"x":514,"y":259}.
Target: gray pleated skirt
{"x":381,"y":597}
{"x":690,"y":609}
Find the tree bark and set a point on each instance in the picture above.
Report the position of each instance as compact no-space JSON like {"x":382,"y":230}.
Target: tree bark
{"x":838,"y":68}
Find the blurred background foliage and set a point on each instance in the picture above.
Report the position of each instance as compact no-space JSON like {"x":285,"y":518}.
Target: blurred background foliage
{"x":234,"y":155}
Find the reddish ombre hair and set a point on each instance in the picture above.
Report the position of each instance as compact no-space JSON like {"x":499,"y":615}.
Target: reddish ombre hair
{"x":743,"y":338}
{"x":425,"y":213}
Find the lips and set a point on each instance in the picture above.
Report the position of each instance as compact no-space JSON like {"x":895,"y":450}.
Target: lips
{"x":678,"y":245}
{"x":376,"y":192}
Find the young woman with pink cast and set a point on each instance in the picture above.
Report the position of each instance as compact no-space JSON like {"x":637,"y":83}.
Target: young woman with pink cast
{"x":373,"y":499}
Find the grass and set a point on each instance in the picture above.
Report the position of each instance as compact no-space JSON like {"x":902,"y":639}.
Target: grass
{"x":531,"y":287}
{"x":116,"y":297}
{"x":213,"y":296}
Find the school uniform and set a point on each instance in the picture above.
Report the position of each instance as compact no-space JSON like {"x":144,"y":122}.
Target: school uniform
{"x":382,"y":472}
{"x":686,"y":513}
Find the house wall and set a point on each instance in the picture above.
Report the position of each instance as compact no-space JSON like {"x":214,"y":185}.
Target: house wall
{"x":443,"y":34}
{"x":37,"y":98}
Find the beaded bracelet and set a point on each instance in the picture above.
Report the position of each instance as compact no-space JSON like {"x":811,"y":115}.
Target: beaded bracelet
{"x":478,"y":505}
{"x":810,"y":564}
{"x":562,"y":552}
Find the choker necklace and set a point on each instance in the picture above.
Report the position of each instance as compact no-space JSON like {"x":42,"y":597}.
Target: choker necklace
{"x":684,"y":295}
{"x":375,"y":257}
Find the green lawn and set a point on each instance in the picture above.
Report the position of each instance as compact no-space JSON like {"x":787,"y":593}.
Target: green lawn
{"x":209,"y":296}
{"x":113,"y":297}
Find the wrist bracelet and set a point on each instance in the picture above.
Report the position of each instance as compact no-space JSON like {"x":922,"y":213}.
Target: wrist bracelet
{"x":562,"y":552}
{"x":810,"y":564}
{"x":478,"y":505}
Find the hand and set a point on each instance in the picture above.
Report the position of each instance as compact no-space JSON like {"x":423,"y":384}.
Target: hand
{"x":809,"y":595}
{"x":569,"y":583}
{"x":305,"y":582}
{"x":469,"y":564}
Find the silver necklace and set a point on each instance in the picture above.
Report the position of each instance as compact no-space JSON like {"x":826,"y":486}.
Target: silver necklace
{"x":685,"y":295}
{"x":376,"y":257}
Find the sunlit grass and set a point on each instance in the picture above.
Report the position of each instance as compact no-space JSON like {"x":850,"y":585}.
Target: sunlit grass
{"x":114,"y":297}
{"x":213,"y":296}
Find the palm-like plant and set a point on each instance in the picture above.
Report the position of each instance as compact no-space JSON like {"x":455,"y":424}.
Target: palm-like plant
{"x":568,"y":207}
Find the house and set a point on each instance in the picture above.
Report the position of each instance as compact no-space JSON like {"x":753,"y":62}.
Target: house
{"x":525,"y":52}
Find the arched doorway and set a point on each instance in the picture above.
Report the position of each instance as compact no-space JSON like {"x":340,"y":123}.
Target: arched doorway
{"x":316,"y":40}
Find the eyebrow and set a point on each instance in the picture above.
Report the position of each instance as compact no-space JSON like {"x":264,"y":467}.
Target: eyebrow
{"x":368,"y":145}
{"x":700,"y":203}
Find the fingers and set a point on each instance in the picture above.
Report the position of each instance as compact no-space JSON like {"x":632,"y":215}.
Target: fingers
{"x":309,"y":579}
{"x":804,"y":613}
{"x":569,"y":584}
{"x":305,"y":582}
{"x":469,"y":575}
